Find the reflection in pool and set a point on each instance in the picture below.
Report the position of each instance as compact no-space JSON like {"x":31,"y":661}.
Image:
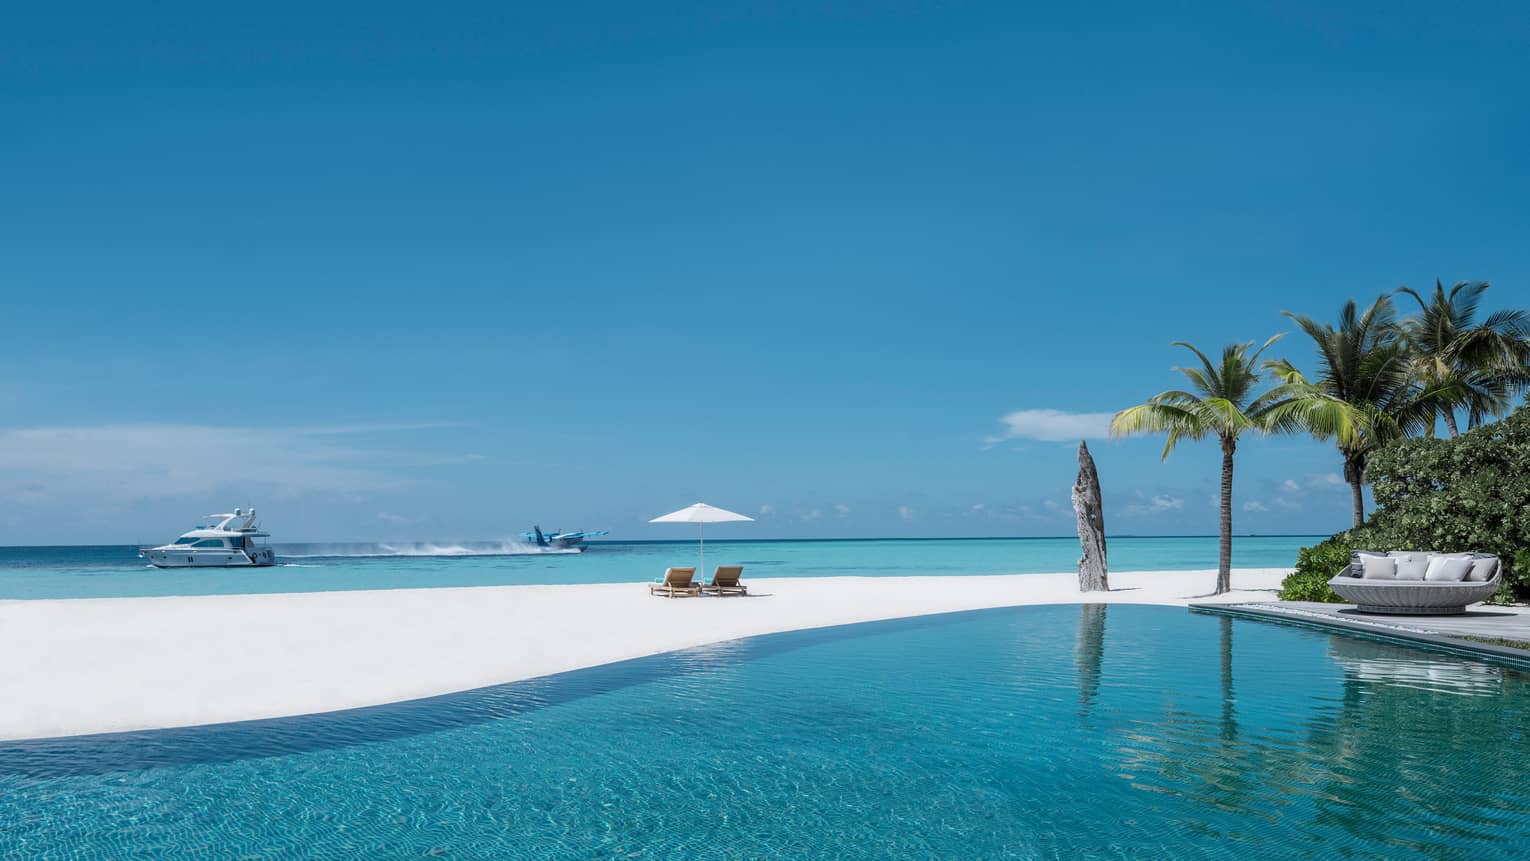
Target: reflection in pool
{"x":1042,"y":732}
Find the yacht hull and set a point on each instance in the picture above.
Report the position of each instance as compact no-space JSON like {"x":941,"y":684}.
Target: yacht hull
{"x":185,"y":558}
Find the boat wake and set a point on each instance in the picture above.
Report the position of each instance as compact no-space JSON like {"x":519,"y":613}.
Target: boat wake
{"x":421,"y":548}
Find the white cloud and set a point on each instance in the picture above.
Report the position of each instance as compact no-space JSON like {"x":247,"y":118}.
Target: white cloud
{"x":1255,"y":505}
{"x":396,"y":519}
{"x":767,"y":510}
{"x":1291,"y":486}
{"x":1159,"y":504}
{"x":842,"y":509}
{"x":114,"y":463}
{"x":905,"y":512}
{"x":1052,"y":426}
{"x":812,"y":515}
{"x":1325,"y":479}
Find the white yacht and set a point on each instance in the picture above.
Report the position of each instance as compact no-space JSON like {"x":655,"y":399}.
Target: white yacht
{"x":229,"y":543}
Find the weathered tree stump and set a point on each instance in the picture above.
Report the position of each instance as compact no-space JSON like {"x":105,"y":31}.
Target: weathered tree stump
{"x":1091,"y":524}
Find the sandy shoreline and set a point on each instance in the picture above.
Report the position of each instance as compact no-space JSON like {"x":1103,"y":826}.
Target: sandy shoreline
{"x":82,"y":666}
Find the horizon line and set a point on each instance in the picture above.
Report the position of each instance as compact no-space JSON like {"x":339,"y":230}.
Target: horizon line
{"x":715,"y":541}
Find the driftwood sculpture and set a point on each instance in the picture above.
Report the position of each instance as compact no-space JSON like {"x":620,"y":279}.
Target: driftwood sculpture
{"x":1091,"y":524}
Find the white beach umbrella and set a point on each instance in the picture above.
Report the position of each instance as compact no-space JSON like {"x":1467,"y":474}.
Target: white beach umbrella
{"x":699,"y":514}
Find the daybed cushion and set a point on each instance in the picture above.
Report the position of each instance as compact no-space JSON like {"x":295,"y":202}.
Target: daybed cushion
{"x":1356,"y":566}
{"x":1483,"y":567}
{"x":1411,"y":566}
{"x":1447,"y":569}
{"x":1378,"y":567}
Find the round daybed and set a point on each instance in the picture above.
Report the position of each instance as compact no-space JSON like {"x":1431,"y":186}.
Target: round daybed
{"x":1406,"y":592}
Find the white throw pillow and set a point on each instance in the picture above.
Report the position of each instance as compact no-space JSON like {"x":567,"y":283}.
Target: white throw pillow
{"x":1484,"y":568}
{"x":1447,"y":569}
{"x":1356,"y":566}
{"x":1379,"y":567}
{"x":1412,"y":567}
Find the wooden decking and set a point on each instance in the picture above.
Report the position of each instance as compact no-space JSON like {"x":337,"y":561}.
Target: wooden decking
{"x":1444,"y":633}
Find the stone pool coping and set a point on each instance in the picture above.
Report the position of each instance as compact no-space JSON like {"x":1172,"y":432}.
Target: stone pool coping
{"x":1436,"y":633}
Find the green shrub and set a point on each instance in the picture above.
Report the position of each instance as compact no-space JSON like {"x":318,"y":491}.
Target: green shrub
{"x":1469,"y":493}
{"x":1516,"y":579}
{"x":1315,"y":566}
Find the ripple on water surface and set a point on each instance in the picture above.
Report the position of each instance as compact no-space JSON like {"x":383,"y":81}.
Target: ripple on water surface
{"x":1042,"y":732}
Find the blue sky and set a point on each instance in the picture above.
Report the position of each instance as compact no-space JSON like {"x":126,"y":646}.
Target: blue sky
{"x":442,"y":271}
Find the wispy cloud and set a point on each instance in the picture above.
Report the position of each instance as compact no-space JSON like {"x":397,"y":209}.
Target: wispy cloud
{"x":359,"y":429}
{"x":107,"y":463}
{"x":1052,"y":426}
{"x":1159,"y":504}
{"x":842,"y":509}
{"x":1255,"y":505}
{"x":906,"y":512}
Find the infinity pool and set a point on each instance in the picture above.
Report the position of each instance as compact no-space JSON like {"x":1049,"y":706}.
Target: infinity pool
{"x":1042,"y":732}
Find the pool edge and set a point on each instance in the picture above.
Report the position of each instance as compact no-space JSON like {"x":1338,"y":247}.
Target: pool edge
{"x":1518,"y":659}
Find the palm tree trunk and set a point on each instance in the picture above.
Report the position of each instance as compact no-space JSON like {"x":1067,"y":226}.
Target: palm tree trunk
{"x":1224,"y":545}
{"x":1450,"y":421}
{"x":1354,"y":473}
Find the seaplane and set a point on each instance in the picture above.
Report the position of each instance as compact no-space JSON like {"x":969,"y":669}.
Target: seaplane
{"x":561,"y":540}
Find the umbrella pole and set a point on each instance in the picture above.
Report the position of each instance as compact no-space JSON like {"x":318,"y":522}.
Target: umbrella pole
{"x":701,"y":530}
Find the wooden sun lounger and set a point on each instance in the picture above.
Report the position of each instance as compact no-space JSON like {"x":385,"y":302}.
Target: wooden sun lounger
{"x":676,"y":584}
{"x":725,"y":581}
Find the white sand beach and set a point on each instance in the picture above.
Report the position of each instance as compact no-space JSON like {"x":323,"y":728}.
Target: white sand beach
{"x":81,"y":666}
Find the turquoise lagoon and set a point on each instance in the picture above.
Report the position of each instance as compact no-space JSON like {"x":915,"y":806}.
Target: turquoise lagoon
{"x":104,"y":572}
{"x":1060,"y":732}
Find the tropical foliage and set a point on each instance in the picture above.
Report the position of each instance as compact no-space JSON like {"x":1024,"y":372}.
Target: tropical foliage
{"x":1315,"y":566}
{"x":1366,"y":363}
{"x":1399,"y":376}
{"x":1223,"y":402}
{"x":1476,"y":369}
{"x":1468,"y":493}
{"x":1382,"y":385}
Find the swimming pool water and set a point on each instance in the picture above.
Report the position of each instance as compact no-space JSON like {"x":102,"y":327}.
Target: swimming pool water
{"x":112,"y":572}
{"x":1087,"y":732}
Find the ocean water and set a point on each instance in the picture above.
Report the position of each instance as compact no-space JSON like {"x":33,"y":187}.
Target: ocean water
{"x":1062,"y":732}
{"x":107,"y":572}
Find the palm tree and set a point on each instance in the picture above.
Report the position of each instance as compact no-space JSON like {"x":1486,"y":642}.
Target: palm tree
{"x":1476,"y":368}
{"x":1366,"y":363}
{"x":1223,"y":404}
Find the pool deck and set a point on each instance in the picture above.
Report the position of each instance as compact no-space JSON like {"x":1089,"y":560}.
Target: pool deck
{"x":1439,"y":632}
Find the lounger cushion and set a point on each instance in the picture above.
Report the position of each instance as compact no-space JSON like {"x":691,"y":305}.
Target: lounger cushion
{"x":1410,"y":566}
{"x":1379,"y":567}
{"x":1484,"y":567}
{"x":1447,"y":569}
{"x":1356,"y":566}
